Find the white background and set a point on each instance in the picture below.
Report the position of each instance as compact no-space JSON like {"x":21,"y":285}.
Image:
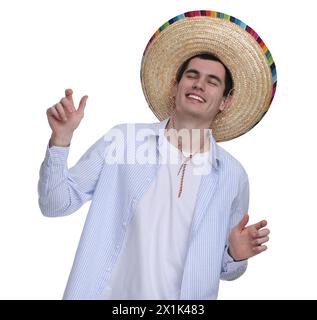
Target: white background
{"x":95,"y":48}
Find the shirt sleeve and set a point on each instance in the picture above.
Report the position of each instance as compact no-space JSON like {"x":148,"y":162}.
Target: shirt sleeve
{"x":231,"y":269}
{"x":62,"y":191}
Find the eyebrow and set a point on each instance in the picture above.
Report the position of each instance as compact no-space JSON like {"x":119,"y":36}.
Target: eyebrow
{"x":212,"y":76}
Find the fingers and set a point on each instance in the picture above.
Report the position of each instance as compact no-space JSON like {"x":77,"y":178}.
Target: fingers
{"x":259,"y":241}
{"x":53,"y":112}
{"x":82,"y":103}
{"x":258,"y":234}
{"x":66,"y":105}
{"x":61,"y":112}
{"x":68,"y":93}
{"x":243,"y":222}
{"x":259,"y":249}
{"x":260,"y":224}
{"x":57,"y":111}
{"x":263,"y":233}
{"x":259,"y":238}
{"x":67,"y":102}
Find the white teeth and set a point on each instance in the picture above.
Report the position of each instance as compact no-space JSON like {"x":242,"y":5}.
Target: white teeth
{"x":196,"y":97}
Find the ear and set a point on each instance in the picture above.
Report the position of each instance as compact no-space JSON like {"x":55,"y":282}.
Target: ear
{"x":226,"y":102}
{"x":174,"y":88}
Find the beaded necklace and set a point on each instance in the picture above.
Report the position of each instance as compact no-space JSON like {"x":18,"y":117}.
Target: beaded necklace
{"x":183,"y":166}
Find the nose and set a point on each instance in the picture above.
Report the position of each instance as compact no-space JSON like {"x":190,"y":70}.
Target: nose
{"x":199,"y":84}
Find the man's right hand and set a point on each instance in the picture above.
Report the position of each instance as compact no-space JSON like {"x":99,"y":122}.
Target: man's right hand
{"x":63,"y":119}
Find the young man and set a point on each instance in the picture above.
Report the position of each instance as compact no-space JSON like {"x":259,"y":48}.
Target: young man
{"x":159,"y":228}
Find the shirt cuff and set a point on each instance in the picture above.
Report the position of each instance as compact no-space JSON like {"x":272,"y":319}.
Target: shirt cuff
{"x":230,"y":263}
{"x":56,"y":155}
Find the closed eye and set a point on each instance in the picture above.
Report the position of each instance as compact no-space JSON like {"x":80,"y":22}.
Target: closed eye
{"x":191,"y":75}
{"x":214,"y":80}
{"x":213,"y":83}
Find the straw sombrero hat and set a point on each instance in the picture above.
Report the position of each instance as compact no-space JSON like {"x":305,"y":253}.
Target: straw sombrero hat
{"x":237,"y":45}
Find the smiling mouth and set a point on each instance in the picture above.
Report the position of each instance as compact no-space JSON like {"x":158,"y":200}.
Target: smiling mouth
{"x":195,"y":97}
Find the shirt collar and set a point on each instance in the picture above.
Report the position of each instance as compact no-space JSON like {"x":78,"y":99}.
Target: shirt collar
{"x":158,"y":130}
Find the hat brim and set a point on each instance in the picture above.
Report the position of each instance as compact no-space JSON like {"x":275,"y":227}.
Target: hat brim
{"x":235,"y":44}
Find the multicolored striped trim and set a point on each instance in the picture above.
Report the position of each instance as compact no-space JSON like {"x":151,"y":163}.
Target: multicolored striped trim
{"x":220,"y":15}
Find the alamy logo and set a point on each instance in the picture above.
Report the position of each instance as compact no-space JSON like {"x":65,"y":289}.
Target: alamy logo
{"x":130,"y":145}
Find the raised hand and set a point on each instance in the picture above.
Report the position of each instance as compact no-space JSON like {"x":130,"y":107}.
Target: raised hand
{"x":63,"y":118}
{"x":247,"y":241}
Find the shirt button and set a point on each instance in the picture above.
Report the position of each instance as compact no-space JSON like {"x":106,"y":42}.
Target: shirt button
{"x":108,"y":269}
{"x":117,"y":246}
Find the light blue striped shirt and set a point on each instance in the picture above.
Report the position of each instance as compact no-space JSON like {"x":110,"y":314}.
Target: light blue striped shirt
{"x":115,"y":189}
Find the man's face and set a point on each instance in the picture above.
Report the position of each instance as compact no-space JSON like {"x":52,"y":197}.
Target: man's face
{"x":200,"y":90}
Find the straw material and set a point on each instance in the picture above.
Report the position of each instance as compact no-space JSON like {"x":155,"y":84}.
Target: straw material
{"x":235,"y":44}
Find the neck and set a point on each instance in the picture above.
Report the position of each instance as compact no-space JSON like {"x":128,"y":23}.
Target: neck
{"x":182,"y":121}
{"x":188,"y":135}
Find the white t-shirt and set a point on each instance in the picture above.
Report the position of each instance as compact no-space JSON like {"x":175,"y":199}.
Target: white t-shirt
{"x":151,"y":263}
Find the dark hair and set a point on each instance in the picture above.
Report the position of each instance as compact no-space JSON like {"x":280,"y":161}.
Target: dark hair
{"x":207,"y":56}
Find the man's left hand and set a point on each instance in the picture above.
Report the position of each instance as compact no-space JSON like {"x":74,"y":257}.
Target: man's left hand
{"x":247,"y":241}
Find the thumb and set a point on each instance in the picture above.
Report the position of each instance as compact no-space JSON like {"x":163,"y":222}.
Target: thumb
{"x":243,"y":222}
{"x":82,"y":103}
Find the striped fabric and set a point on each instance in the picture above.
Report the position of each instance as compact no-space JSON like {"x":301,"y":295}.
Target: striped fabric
{"x":114,"y":191}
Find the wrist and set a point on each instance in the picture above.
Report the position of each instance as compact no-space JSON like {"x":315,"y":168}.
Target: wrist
{"x":60,"y":140}
{"x":231,"y":254}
